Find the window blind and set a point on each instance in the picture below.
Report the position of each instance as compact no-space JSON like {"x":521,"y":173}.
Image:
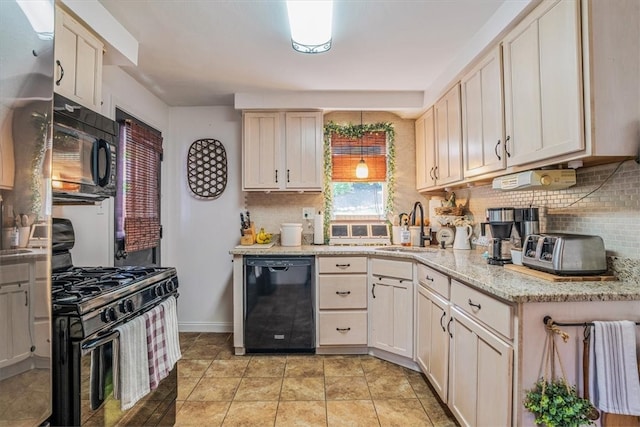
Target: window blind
{"x":139,"y":162}
{"x":346,"y":153}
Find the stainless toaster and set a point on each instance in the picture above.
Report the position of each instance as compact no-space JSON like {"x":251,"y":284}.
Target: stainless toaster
{"x":565,"y":254}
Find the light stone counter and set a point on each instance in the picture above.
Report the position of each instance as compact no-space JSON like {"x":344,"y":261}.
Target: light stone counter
{"x":469,"y":267}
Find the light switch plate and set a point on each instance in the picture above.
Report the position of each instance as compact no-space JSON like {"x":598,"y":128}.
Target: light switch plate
{"x":307,"y":213}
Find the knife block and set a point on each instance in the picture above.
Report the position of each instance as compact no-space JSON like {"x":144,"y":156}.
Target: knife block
{"x":248,"y":235}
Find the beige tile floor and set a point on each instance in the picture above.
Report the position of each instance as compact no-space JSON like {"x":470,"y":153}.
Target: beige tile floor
{"x":217,"y":388}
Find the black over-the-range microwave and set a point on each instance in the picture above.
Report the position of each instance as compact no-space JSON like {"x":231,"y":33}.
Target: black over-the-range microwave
{"x":84,"y":153}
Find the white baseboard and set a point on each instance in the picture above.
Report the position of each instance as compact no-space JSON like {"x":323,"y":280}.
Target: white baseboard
{"x":223,"y":327}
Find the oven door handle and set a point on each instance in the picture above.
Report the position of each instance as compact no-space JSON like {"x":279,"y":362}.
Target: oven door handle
{"x":91,"y":345}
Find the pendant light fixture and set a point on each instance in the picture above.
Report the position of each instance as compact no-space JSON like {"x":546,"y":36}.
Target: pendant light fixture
{"x":362,"y":170}
{"x":310,"y":23}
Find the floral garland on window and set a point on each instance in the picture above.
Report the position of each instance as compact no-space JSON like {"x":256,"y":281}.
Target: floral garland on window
{"x":356,"y":132}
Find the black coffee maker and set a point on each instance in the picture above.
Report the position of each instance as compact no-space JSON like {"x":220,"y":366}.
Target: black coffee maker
{"x":527,"y":221}
{"x":501,"y":222}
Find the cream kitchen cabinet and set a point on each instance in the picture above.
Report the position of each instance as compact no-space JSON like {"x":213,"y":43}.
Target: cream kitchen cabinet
{"x":448,"y":138}
{"x":425,"y":151}
{"x":543,"y":86}
{"x":14,"y":314}
{"x":480,"y":359}
{"x":342,"y":302}
{"x":391,"y":306}
{"x":78,"y":62}
{"x":282,"y":151}
{"x":432,"y":337}
{"x":482,"y":117}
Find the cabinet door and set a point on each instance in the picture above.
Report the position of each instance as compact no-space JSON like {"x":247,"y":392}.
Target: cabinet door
{"x":482,"y":124}
{"x":425,"y":151}
{"x":432,"y":340}
{"x":448,"y":137}
{"x":14,"y":323}
{"x":78,"y":62}
{"x":543,"y":84}
{"x":391,"y":316}
{"x":304,"y":160}
{"x":261,"y":155}
{"x":480,"y":382}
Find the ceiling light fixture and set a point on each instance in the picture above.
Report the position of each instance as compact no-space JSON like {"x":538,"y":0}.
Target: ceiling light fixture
{"x":362,"y":170}
{"x":310,"y":23}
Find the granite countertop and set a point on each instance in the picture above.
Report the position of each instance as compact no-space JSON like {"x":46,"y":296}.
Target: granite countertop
{"x":13,"y":256}
{"x":469,"y":267}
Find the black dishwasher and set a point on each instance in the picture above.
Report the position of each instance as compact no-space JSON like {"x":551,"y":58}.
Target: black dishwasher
{"x":278,"y":304}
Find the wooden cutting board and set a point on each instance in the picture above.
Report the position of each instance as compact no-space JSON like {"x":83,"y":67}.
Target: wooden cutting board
{"x":556,"y":278}
{"x":256,"y":246}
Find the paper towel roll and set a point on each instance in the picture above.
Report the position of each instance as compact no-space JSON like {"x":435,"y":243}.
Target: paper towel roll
{"x":318,"y":229}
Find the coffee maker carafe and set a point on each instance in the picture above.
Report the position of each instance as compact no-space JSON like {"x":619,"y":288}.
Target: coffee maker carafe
{"x":501,"y":221}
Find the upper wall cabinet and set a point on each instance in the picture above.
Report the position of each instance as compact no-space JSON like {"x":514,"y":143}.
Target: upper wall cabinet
{"x":543,"y":86}
{"x":571,"y":82}
{"x":425,"y":151}
{"x":78,"y":62}
{"x":448,"y":140}
{"x":282,"y":151}
{"x":482,"y":112}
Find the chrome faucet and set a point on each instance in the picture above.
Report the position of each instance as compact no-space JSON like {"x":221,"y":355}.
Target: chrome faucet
{"x":423,"y":237}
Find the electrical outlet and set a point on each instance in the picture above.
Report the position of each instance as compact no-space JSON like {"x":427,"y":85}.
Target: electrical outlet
{"x":307,"y":213}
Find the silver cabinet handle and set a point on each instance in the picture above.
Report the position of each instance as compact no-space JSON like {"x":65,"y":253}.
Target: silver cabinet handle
{"x":61,"y":72}
{"x":449,"y":327}
{"x":343,"y":293}
{"x":506,"y":146}
{"x":496,"y":150}
{"x":276,"y":175}
{"x":428,"y":278}
{"x":441,"y":319}
{"x":343,"y":265}
{"x":343,"y":329}
{"x":373,"y":290}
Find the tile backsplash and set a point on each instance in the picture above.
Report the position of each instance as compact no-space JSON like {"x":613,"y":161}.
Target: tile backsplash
{"x":605,"y":201}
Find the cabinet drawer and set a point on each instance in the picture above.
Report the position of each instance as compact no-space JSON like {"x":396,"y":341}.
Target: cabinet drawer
{"x":434,"y":280}
{"x":14,"y":273}
{"x":392,"y":268}
{"x":343,"y":328}
{"x":346,"y":264}
{"x":488,"y":310}
{"x":342,"y":291}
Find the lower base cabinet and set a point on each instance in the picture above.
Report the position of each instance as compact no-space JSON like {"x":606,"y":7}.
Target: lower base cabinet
{"x":480,"y":375}
{"x":432,"y":339}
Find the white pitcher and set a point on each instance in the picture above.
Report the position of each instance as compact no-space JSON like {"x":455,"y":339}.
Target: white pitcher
{"x":463,"y":237}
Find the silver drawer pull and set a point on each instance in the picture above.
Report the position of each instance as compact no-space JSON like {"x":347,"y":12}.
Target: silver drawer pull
{"x":429,"y":278}
{"x":472,"y":304}
{"x":343,"y":265}
{"x":343,"y":293}
{"x":343,"y":329}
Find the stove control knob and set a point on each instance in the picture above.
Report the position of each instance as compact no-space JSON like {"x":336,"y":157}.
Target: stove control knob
{"x":108,"y":315}
{"x":171,"y":286}
{"x":159,"y":291}
{"x":130,"y":306}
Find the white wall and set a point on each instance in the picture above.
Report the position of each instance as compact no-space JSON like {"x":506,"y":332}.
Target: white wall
{"x":200,"y":233}
{"x":197,"y":234}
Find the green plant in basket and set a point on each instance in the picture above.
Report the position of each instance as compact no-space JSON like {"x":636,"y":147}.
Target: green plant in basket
{"x":555,"y":403}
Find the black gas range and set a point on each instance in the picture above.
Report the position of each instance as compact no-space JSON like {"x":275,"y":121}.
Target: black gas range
{"x":88,"y":304}
{"x":98,"y":298}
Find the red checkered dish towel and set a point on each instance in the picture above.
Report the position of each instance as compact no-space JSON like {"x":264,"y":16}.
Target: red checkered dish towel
{"x":156,"y":346}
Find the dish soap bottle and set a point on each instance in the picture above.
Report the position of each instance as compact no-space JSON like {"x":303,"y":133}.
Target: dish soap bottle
{"x":405,"y":235}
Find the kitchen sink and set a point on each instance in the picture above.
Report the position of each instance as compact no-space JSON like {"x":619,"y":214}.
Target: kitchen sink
{"x":408,"y":249}
{"x":5,"y":252}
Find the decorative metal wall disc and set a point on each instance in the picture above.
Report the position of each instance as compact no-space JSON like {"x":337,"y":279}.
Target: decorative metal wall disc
{"x":207,"y":168}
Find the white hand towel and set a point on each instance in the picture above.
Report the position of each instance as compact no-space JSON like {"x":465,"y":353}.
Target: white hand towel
{"x":171,"y":331}
{"x":613,"y":368}
{"x":134,"y":365}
